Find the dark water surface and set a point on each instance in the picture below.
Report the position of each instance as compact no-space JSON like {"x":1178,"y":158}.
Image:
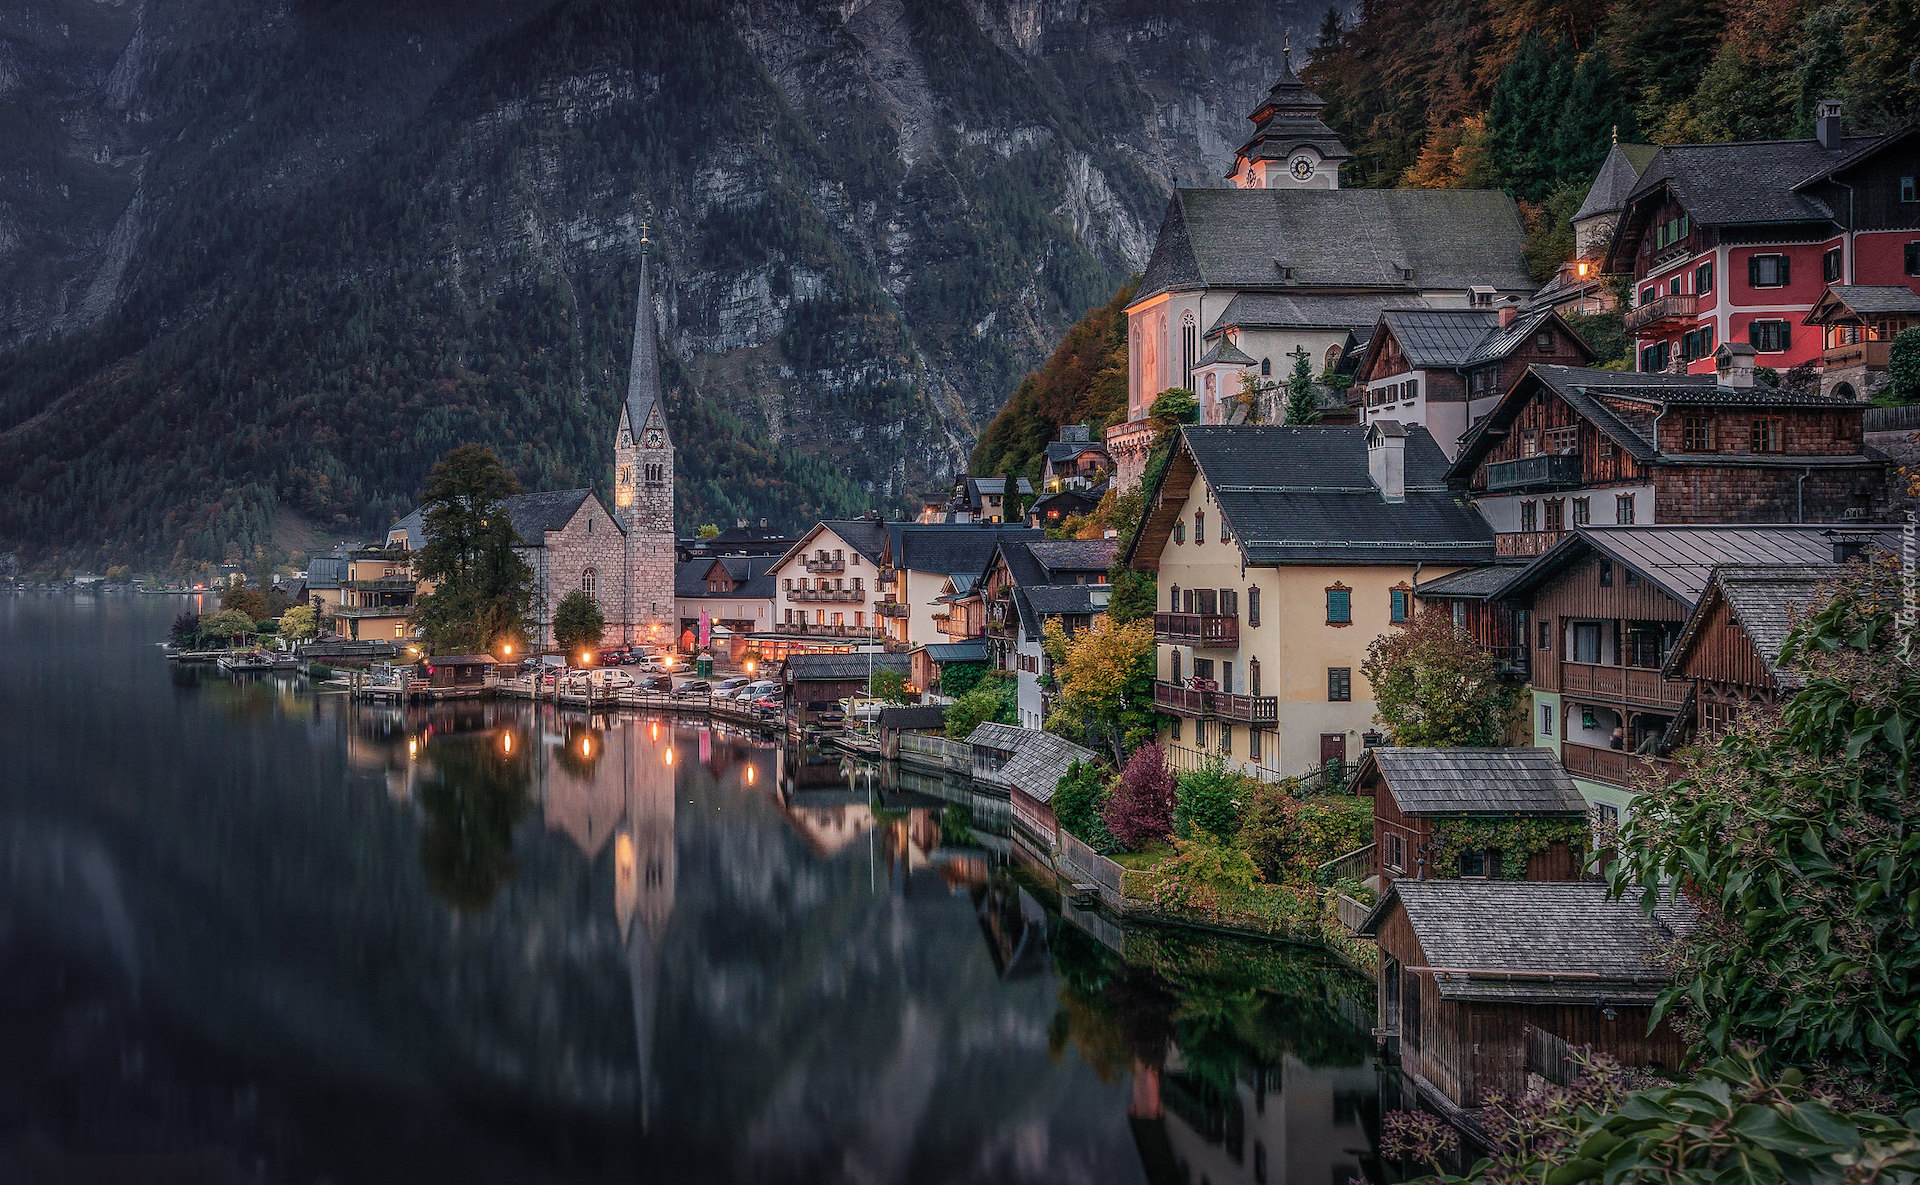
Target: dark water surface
{"x":253,"y":933}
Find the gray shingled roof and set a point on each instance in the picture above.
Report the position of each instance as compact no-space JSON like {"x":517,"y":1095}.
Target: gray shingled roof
{"x":1224,"y":351}
{"x":533,"y":515}
{"x":867,"y":536}
{"x":836,"y":668}
{"x":1289,"y":118}
{"x":1680,"y":560}
{"x":1052,"y":600}
{"x":1062,"y":451}
{"x":1503,"y":939}
{"x":1763,"y":599}
{"x":1475,"y":781}
{"x":1241,"y":238}
{"x":1356,"y":313}
{"x":326,"y":571}
{"x":1070,"y":502}
{"x":1074,"y":555}
{"x":1479,"y":583}
{"x":1872,"y":299}
{"x":1039,"y":758}
{"x":1303,"y":495}
{"x":960,"y":549}
{"x":1752,"y":181}
{"x":974,"y":651}
{"x":690,"y":578}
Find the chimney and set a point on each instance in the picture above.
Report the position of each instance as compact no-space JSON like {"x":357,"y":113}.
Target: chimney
{"x":1509,"y":311}
{"x":740,"y":523}
{"x":1846,"y":548}
{"x":1733,"y":361}
{"x":1387,"y":458}
{"x":1826,"y":123}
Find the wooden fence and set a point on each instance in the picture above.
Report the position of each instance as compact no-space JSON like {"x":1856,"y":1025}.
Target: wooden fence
{"x":1352,"y":912}
{"x":1550,"y":1057}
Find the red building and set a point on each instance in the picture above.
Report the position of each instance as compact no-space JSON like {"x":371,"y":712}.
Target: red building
{"x":1737,"y":242}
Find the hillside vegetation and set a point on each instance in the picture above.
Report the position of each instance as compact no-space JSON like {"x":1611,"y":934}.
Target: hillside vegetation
{"x":1083,"y":382}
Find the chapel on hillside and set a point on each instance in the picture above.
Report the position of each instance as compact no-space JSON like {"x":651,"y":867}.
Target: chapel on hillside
{"x":622,"y":557}
{"x":1285,"y":260}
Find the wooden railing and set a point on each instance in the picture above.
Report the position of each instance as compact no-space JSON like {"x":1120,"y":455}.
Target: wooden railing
{"x":892,"y":608}
{"x":1525,"y":542}
{"x":1550,"y":1057}
{"x":1263,"y":710}
{"x":1180,"y":701}
{"x":1634,"y":685}
{"x":1196,"y":629}
{"x":1871,"y":354}
{"x":1674,"y":305}
{"x":1616,"y":767}
{"x":1354,"y":866}
{"x":1352,"y":912}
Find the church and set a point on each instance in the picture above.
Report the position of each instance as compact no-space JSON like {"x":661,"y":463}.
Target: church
{"x":622,"y":557}
{"x":1282,"y":259}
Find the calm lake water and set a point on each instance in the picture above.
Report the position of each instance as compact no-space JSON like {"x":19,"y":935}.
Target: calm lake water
{"x":253,"y":933}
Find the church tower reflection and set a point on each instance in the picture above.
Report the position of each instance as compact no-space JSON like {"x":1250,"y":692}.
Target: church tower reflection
{"x":612,"y":786}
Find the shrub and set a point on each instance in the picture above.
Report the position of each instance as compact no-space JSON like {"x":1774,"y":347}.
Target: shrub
{"x":578,"y":623}
{"x":186,"y":629}
{"x":1290,"y":837}
{"x":319,"y":671}
{"x":1208,"y":800}
{"x":990,"y":702}
{"x":1077,"y":803}
{"x":1139,"y":811}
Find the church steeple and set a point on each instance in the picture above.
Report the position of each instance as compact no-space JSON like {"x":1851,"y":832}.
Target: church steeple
{"x":643,"y":447}
{"x":1291,"y":147}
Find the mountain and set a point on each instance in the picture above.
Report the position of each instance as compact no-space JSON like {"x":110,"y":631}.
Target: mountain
{"x":262,"y":264}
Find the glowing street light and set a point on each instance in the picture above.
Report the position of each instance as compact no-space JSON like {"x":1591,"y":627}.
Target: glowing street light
{"x":669,"y":755}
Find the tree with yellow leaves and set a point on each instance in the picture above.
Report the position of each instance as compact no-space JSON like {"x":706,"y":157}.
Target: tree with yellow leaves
{"x":1105,"y":676}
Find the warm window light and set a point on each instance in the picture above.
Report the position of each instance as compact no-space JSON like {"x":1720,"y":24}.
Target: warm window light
{"x":1583,"y":268}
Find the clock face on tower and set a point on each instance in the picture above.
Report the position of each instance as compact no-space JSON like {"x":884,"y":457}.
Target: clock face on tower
{"x":653,"y":439}
{"x":1302,"y":168}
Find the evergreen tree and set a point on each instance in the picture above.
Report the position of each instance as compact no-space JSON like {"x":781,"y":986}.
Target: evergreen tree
{"x":483,"y":589}
{"x":1594,"y":110}
{"x":1332,"y":30}
{"x":1523,"y":117}
{"x":578,"y":624}
{"x":1303,"y":404}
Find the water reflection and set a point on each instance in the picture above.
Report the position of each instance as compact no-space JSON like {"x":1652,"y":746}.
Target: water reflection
{"x":493,"y":942}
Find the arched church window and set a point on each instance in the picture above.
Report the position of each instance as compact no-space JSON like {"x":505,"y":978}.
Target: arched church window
{"x":588,"y":581}
{"x":1333,"y":356}
{"x":1266,"y":368}
{"x":1189,"y":344}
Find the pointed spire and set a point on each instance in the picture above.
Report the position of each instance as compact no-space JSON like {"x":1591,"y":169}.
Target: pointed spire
{"x":1616,"y":133}
{"x":643,"y":373}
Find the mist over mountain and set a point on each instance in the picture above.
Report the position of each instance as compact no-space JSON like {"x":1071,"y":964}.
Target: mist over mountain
{"x":262,"y":264}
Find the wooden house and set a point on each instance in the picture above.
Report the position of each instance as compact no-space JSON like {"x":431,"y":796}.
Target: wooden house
{"x":1467,"y":596}
{"x":457,"y":674}
{"x":1472,"y":972}
{"x":1605,"y":607}
{"x":1729,"y":650}
{"x":816,"y":683}
{"x":1431,"y":808}
{"x":1567,"y":447}
{"x":898,"y":720}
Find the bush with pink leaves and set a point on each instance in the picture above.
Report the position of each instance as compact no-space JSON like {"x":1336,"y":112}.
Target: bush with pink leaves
{"x":1139,"y":812}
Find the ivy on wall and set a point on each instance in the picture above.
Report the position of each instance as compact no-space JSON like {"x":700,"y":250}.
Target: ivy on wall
{"x":1517,"y":840}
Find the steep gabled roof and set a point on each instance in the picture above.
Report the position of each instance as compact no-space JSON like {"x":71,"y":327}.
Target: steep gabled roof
{"x":1039,"y":758}
{"x":1619,"y":175}
{"x":1061,"y":556}
{"x":1841,"y":301}
{"x":957,"y":549}
{"x":1679,"y":560}
{"x":1061,"y":451}
{"x":1297,"y":495}
{"x":1338,"y":238}
{"x":1474,"y":781}
{"x":841,"y":668}
{"x":1763,"y":599}
{"x":868,"y":536}
{"x":1507,"y":940}
{"x":1438,"y":337}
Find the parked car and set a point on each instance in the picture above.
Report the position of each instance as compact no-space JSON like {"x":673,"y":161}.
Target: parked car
{"x":617,"y":681}
{"x":656,"y":683}
{"x":611,"y":658}
{"x":767,"y":701}
{"x":725,"y":688}
{"x":753,"y":691}
{"x":652,"y":664}
{"x":693,"y":687}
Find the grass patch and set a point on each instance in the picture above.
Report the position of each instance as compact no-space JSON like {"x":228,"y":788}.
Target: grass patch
{"x":1140,"y":861}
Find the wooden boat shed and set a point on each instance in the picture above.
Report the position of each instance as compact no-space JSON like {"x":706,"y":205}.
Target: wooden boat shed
{"x":1417,"y":792}
{"x":1475,"y":974}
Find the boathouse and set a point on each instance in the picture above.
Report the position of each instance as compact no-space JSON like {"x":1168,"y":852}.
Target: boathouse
{"x":1476,"y":976}
{"x":897,"y":720}
{"x":452,"y":675}
{"x":816,"y":683}
{"x":1029,"y":764}
{"x":1510,"y":814}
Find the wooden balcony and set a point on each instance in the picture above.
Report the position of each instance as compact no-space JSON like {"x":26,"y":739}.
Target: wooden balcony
{"x":1639,"y":686}
{"x":1675,"y":306}
{"x":1872,"y":355}
{"x":1196,"y":629}
{"x":1543,"y":471}
{"x":1179,"y":701}
{"x":1616,"y":767}
{"x":892,"y":608}
{"x":1525,"y":542}
{"x":825,"y":563}
{"x":1261,"y":711}
{"x":403,"y":584}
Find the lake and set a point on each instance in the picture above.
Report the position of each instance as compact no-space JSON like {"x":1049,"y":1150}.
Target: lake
{"x":254,"y":932}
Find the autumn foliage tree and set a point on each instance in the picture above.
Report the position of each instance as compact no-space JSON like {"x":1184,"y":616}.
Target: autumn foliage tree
{"x":1139,"y":810}
{"x":1105,"y":673}
{"x":1435,"y":686}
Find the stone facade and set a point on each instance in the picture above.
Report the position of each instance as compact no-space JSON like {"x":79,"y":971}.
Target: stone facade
{"x":588,"y":553}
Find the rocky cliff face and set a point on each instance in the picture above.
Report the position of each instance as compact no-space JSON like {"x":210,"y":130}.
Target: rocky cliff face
{"x":268,"y":259}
